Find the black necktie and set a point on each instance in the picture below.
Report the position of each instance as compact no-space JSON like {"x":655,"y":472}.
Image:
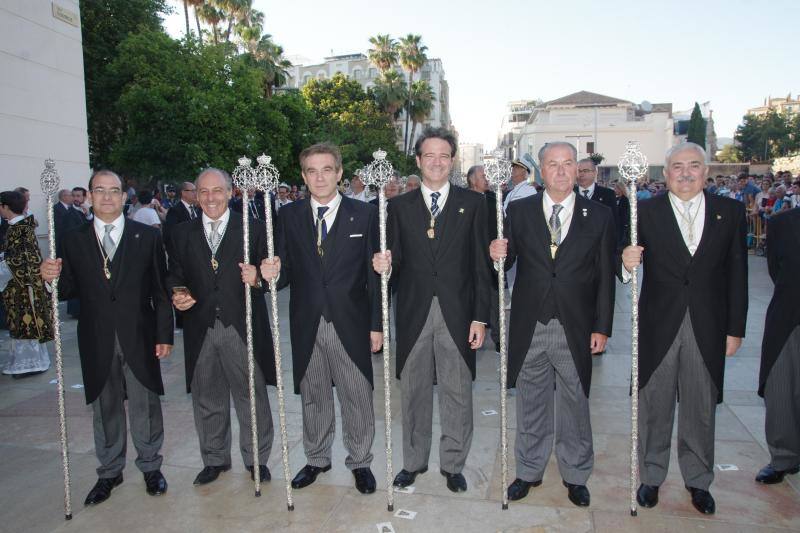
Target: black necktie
{"x":322,"y":226}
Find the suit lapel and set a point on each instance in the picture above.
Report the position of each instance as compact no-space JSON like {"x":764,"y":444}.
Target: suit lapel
{"x":455,"y":216}
{"x":712,"y":216}
{"x":672,"y":227}
{"x":420,"y":222}
{"x":232,"y":242}
{"x":337,"y":233}
{"x":91,"y":249}
{"x":124,"y":248}
{"x":576,"y":225}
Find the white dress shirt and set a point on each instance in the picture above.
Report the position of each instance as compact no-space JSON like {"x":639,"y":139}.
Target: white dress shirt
{"x":565,"y":215}
{"x":426,"y":195}
{"x":521,"y":190}
{"x":590,"y":188}
{"x":330,"y":214}
{"x":226,"y":216}
{"x":116,"y":233}
{"x":697,"y":210}
{"x":362,"y":196}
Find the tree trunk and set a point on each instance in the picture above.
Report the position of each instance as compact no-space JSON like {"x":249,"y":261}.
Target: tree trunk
{"x":197,"y":21}
{"x":406,"y":140}
{"x":413,"y":130}
{"x":186,"y":13}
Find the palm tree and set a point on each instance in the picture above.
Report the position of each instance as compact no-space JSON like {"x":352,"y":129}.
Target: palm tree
{"x":249,"y":29}
{"x":195,"y":5}
{"x":268,"y":57}
{"x":420,"y":104}
{"x":186,"y":13}
{"x":384,"y":53}
{"x":211,"y":16}
{"x":390,"y":93}
{"x":412,"y":57}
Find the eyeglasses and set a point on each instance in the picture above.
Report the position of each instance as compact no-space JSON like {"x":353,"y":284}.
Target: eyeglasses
{"x":114,"y":191}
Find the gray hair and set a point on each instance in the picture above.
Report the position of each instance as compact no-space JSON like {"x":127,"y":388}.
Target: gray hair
{"x":686,"y":145}
{"x":64,"y":193}
{"x":472,"y":170}
{"x":556,"y":144}
{"x":588,"y":160}
{"x":412,"y":177}
{"x":219,"y":172}
{"x":105,"y":172}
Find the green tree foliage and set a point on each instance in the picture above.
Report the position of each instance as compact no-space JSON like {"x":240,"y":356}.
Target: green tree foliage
{"x":729,"y":154}
{"x":761,"y":138}
{"x":420,"y":104}
{"x":349,"y":117}
{"x":189,"y":106}
{"x":105,"y":24}
{"x":697,"y":127}
{"x":390,"y":93}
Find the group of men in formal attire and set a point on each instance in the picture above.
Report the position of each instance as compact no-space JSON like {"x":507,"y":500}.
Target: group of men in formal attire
{"x":564,"y":245}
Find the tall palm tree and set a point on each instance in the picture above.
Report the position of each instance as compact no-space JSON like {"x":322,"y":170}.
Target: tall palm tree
{"x":249,"y":29}
{"x":186,"y":13}
{"x":420,"y":104}
{"x":268,"y":57}
{"x":383,"y":53}
{"x":211,"y":16}
{"x":390,"y":93}
{"x":195,"y":5}
{"x":412,"y":58}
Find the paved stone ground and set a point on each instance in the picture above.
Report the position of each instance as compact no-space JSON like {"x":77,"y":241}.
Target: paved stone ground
{"x":31,"y":483}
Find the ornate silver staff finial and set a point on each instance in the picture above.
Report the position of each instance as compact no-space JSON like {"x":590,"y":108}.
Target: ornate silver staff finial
{"x":497,"y":168}
{"x":633,"y":163}
{"x":49,"y":179}
{"x":267,"y":176}
{"x":379,"y":171}
{"x":243,"y":174}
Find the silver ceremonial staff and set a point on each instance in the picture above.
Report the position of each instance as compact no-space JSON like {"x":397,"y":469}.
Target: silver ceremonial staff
{"x":632,"y":166}
{"x":243,"y":178}
{"x":267,"y":179}
{"x":498,"y":171}
{"x":50,"y":181}
{"x":378,"y":173}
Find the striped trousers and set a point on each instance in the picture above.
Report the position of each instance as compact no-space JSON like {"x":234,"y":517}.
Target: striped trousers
{"x":331,"y":365}
{"x":221,"y":373}
{"x":543,"y":413}
{"x":782,"y":399}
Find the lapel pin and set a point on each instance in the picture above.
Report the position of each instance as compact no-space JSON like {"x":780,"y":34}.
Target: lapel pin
{"x":719,"y":217}
{"x":584,"y":211}
{"x":351,"y":219}
{"x":136,"y":236}
{"x":460,"y":209}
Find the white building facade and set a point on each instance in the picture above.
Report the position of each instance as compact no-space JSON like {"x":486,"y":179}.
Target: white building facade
{"x":469,"y":154}
{"x":594,"y":123}
{"x":359,"y":68}
{"x":42,"y":97}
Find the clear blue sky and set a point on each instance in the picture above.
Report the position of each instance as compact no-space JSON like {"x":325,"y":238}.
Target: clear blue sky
{"x":731,"y":52}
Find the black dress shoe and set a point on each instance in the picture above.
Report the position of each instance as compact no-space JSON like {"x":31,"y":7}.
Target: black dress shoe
{"x":647,"y":496}
{"x":155,"y":482}
{"x":702,"y":500}
{"x":102,"y":490}
{"x":365,"y":481}
{"x":406,"y":478}
{"x":210,"y":473}
{"x":578,"y":494}
{"x":769,"y":475}
{"x":455,"y":482}
{"x":308,"y":475}
{"x":263,"y":473}
{"x":519,"y":489}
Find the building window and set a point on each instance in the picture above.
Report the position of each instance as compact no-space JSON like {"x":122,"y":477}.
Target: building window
{"x":590,"y":147}
{"x":306,"y":79}
{"x":373,"y":73}
{"x":357,"y":74}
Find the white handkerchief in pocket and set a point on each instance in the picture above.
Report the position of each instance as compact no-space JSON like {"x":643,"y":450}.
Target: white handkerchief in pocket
{"x":355,"y":235}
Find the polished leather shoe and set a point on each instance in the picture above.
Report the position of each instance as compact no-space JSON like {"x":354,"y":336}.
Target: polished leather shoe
{"x":263,"y":473}
{"x":102,"y":490}
{"x":519,"y":489}
{"x":769,"y":475}
{"x":406,"y":478}
{"x":702,"y":500}
{"x":455,"y":482}
{"x":578,"y":494}
{"x":210,"y":473}
{"x":308,"y":475}
{"x":647,"y":496}
{"x":365,"y":481}
{"x":155,"y":483}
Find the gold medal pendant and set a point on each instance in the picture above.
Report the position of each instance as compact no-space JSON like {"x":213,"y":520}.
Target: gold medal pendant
{"x":431,"y":234}
{"x":553,"y":249}
{"x":320,"y":251}
{"x":106,"y":271}
{"x":214,"y":263}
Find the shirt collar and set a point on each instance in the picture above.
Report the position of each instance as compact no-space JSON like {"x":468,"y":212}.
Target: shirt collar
{"x":590,"y":188}
{"x":66,"y":205}
{"x":567,"y":204}
{"x":18,"y":218}
{"x":678,"y":201}
{"x":223,"y":219}
{"x":187,"y":205}
{"x":427,"y":191}
{"x":100,"y":226}
{"x":332,"y":205}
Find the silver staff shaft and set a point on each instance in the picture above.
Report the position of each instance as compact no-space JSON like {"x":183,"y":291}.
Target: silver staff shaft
{"x":501,"y":281}
{"x":634,"y":353}
{"x":387,"y":382}
{"x":276,"y":342}
{"x":251,"y":370}
{"x":62,"y":414}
